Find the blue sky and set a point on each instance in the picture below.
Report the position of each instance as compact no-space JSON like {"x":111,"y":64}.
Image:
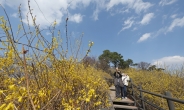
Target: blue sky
{"x":142,"y":30}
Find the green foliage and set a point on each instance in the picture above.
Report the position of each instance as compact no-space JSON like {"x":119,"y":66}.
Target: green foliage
{"x":129,"y":61}
{"x":125,"y":64}
{"x":106,"y":56}
{"x":153,"y":67}
{"x":115,"y":58}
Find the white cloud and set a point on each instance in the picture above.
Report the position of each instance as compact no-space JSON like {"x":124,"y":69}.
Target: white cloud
{"x":147,"y":18}
{"x":127,"y":24}
{"x":169,"y":61}
{"x":112,"y":3}
{"x":119,"y":11}
{"x":135,"y":28}
{"x":176,"y":22}
{"x":173,"y":16}
{"x":144,"y":37}
{"x":76,"y":18}
{"x":95,"y":14}
{"x":15,"y":15}
{"x":164,"y":17}
{"x":13,"y":4}
{"x":123,"y":11}
{"x":73,"y":4}
{"x":160,"y":31}
{"x":48,"y":11}
{"x":100,"y":4}
{"x":166,"y":2}
{"x":48,"y":33}
{"x":2,"y":2}
{"x":137,"y":5}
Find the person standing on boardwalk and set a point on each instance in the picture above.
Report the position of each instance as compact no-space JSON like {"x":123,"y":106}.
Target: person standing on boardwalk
{"x":125,"y":78}
{"x":117,"y":78}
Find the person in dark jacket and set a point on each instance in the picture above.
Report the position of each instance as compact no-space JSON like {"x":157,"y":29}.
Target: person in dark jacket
{"x":117,"y":78}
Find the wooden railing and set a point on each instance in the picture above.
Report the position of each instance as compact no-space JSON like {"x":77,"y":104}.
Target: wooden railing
{"x":140,"y":101}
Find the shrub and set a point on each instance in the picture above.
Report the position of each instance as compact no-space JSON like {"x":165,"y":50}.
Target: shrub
{"x":44,"y":75}
{"x":159,"y":82}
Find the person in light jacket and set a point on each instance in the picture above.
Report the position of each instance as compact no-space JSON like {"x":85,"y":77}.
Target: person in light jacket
{"x":117,"y":78}
{"x":125,"y":78}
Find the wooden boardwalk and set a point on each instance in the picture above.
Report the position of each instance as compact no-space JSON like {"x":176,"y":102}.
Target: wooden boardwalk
{"x":121,"y":104}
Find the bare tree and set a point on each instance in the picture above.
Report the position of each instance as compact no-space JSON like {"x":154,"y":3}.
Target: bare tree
{"x":89,"y":61}
{"x":103,"y":65}
{"x":143,"y":65}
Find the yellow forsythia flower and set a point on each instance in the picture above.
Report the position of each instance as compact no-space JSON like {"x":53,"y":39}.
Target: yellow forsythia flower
{"x":10,"y":106}
{"x":11,"y":87}
{"x":20,"y":98}
{"x":2,"y":106}
{"x":87,"y":99}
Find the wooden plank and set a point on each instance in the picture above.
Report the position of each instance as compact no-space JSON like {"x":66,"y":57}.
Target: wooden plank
{"x":123,"y":101}
{"x":112,"y":88}
{"x":112,"y":95}
{"x":126,"y":107}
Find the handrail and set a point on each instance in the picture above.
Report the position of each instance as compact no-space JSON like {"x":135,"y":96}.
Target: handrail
{"x":135,"y":101}
{"x":135,"y":86}
{"x":163,"y":96}
{"x":167,"y":96}
{"x":153,"y":105}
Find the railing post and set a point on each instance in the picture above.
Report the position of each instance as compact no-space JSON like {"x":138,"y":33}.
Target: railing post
{"x":142,"y":98}
{"x":169,"y":102}
{"x":131,"y":83}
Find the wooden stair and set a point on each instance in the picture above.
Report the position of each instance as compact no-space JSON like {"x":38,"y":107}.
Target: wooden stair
{"x":121,"y":104}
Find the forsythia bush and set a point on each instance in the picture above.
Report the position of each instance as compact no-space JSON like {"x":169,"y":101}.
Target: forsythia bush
{"x":159,"y":82}
{"x":64,"y":84}
{"x":41,"y":80}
